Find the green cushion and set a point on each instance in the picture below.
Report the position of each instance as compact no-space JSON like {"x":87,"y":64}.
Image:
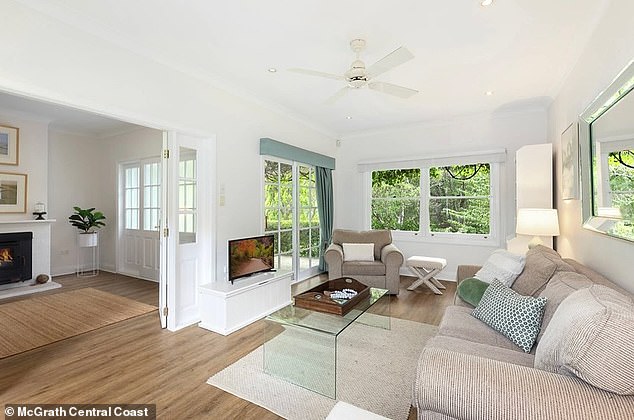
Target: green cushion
{"x":471,"y":290}
{"x":518,"y":317}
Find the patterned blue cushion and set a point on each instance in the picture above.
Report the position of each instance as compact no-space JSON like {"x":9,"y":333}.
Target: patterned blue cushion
{"x":518,"y":317}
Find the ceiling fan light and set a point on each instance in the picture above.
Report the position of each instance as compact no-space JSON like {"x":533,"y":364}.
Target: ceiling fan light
{"x":486,"y":3}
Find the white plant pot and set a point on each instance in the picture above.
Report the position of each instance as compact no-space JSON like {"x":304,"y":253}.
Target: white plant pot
{"x":88,"y":240}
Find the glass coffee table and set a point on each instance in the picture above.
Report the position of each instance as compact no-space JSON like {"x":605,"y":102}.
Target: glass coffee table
{"x":300,"y":345}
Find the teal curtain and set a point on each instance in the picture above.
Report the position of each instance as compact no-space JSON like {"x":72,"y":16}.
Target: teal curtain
{"x":325,"y":207}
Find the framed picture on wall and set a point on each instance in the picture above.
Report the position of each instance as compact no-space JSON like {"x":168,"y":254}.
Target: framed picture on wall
{"x":570,"y":163}
{"x":12,"y":193}
{"x":9,"y":145}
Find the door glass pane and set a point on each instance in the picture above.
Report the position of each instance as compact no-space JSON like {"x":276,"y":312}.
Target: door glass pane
{"x":187,"y":185}
{"x":131,"y":193}
{"x":151,"y":195}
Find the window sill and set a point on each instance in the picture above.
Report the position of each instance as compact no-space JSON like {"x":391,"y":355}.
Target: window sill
{"x":447,"y":239}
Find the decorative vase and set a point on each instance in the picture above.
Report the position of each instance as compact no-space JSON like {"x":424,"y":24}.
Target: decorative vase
{"x":88,"y":239}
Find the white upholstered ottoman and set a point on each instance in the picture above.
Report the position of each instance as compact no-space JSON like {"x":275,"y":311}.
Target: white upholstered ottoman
{"x":425,"y":268}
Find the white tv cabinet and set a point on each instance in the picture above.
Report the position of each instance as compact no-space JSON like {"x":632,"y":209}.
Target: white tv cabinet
{"x":226,"y":307}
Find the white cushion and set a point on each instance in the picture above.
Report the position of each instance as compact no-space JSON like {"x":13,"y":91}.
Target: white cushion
{"x":358,"y":252}
{"x":503,"y":266}
{"x":426,"y":262}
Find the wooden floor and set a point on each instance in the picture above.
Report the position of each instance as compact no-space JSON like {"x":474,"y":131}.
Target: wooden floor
{"x":135,"y":361}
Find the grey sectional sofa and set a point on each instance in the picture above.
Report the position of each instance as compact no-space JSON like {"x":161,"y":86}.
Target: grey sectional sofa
{"x":470,"y":371}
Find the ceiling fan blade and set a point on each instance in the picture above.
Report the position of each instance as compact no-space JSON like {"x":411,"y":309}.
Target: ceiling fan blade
{"x":334,"y":98}
{"x":390,"y":89}
{"x":393,"y":59}
{"x":317,"y":73}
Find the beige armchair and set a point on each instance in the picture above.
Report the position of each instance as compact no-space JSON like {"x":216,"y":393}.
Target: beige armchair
{"x":383,"y":272}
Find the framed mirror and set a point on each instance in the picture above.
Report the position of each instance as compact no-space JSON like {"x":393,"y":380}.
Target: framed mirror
{"x":606,"y":138}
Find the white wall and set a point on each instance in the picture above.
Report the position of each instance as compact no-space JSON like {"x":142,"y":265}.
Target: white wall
{"x":83,"y":172}
{"x":608,"y":51}
{"x":33,"y":160}
{"x":476,"y":133}
{"x":54,"y":61}
{"x":73,"y":171}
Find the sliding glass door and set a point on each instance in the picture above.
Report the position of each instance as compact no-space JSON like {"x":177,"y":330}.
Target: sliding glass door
{"x":290,"y":213}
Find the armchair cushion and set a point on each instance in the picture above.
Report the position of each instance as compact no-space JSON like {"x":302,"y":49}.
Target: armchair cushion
{"x":379,"y":238}
{"x":358,"y":252}
{"x":363,"y":268}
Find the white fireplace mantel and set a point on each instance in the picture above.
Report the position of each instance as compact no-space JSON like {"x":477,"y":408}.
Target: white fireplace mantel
{"x":13,"y":222}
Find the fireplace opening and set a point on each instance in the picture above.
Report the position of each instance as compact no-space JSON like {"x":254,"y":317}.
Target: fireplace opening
{"x":6,"y":257}
{"x":15,"y":257}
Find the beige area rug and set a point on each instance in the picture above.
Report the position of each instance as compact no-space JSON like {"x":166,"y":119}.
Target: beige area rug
{"x":375,"y":371}
{"x":31,"y":323}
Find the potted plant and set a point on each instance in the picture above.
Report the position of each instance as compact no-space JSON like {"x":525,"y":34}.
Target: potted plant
{"x":86,"y":220}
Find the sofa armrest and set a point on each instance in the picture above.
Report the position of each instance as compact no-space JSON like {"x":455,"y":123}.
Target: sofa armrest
{"x":469,"y":387}
{"x":466,"y":271}
{"x":334,"y":258}
{"x":391,"y":256}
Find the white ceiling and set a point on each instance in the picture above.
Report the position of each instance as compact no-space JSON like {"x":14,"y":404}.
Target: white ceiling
{"x":522,"y":50}
{"x":62,"y":118}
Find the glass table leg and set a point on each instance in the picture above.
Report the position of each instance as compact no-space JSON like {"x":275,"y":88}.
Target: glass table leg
{"x":302,"y":356}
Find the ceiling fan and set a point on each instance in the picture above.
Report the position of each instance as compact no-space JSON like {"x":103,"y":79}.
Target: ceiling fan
{"x":358,"y":76}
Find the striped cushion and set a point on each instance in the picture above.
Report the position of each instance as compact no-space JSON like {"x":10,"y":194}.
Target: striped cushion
{"x":591,"y":336}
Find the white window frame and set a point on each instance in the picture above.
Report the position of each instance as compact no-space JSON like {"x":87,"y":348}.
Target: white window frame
{"x":493,"y":238}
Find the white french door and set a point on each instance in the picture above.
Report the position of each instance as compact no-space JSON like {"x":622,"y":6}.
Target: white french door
{"x":187,"y":228}
{"x":139,"y":213}
{"x":290,"y":213}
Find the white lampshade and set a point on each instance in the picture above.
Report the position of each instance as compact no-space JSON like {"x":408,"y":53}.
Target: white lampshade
{"x":537,"y":222}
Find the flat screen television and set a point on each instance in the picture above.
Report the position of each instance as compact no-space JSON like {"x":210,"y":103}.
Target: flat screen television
{"x":248,"y":256}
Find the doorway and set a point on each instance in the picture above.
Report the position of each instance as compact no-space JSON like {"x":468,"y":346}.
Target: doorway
{"x":139,"y":218}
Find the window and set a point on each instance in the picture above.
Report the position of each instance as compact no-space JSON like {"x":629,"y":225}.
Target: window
{"x":290,"y":213}
{"x":460,"y":199}
{"x":435,"y":200}
{"x":396,"y":199}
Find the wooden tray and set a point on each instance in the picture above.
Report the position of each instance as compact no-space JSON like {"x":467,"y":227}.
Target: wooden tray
{"x":316,"y":300}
